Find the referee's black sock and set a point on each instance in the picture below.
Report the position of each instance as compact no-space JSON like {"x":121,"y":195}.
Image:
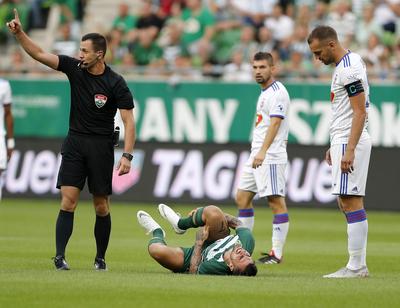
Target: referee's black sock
{"x":102,"y":230}
{"x":64,"y":226}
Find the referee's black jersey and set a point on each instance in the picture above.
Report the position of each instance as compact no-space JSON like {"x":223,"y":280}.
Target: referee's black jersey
{"x":94,"y":98}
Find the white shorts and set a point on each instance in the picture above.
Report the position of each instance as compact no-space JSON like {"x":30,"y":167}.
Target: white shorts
{"x":351,"y":183}
{"x":3,"y":153}
{"x":266,"y":180}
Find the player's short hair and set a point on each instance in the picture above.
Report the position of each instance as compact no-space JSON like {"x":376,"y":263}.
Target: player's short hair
{"x":99,"y":41}
{"x":264,"y":56}
{"x":250,"y":270}
{"x":322,"y":33}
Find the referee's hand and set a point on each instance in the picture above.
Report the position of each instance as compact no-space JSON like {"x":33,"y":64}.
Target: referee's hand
{"x":123,"y":166}
{"x":14,"y":25}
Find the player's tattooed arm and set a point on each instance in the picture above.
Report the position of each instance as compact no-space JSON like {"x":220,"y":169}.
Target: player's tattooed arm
{"x":233,"y":222}
{"x":201,"y":237}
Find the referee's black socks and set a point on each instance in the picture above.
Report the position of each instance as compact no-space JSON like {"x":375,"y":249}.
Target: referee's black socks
{"x":64,"y":226}
{"x":102,"y":230}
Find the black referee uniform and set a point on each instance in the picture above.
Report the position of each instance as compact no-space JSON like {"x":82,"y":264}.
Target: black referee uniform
{"x":88,"y":150}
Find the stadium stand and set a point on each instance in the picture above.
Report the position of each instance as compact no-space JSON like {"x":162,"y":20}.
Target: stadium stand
{"x":203,"y":39}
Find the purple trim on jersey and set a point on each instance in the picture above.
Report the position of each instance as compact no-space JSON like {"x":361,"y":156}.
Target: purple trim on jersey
{"x":281,"y":218}
{"x":346,"y":59}
{"x":356,"y":216}
{"x":246,"y":213}
{"x":271,"y":85}
{"x":275,"y":86}
{"x":274,"y":182}
{"x":344,"y":178}
{"x":276,"y":116}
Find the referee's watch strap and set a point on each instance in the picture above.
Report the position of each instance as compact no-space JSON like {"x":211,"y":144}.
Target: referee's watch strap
{"x":128,"y":156}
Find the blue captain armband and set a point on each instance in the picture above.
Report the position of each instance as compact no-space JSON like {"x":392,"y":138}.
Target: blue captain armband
{"x":354,"y":88}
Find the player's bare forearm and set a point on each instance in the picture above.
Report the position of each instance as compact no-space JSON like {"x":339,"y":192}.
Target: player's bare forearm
{"x":31,"y":48}
{"x":272,"y":131}
{"x":196,"y":258}
{"x":201,"y":237}
{"x":233,"y":222}
{"x":358,"y":121}
{"x":35,"y":51}
{"x":268,"y":139}
{"x":9,"y":121}
{"x":130,"y":130}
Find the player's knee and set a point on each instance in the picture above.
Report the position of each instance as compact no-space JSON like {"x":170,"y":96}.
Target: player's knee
{"x":277,"y":203}
{"x":211,"y":210}
{"x":242,"y":201}
{"x":68,"y":203}
{"x":101,"y":210}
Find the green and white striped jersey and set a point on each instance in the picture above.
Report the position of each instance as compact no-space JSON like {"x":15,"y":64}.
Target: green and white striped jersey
{"x":212,"y":261}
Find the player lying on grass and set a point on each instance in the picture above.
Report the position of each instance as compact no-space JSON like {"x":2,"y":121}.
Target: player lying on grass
{"x":215,"y":251}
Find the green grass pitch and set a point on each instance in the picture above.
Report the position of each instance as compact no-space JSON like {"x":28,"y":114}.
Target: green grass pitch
{"x":316,"y":245}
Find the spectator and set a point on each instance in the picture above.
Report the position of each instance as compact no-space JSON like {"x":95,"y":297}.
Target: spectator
{"x":237,"y":70}
{"x":65,"y":44}
{"x":387,"y":14}
{"x":247,"y":44}
{"x":124,"y":21}
{"x":320,"y":14}
{"x":298,"y":67}
{"x":174,"y":52}
{"x":254,"y":12}
{"x":146,"y":51}
{"x":147,"y":19}
{"x":280,"y":25}
{"x":343,"y":21}
{"x":227,"y":29}
{"x":198,"y":29}
{"x":366,"y":26}
{"x":116,"y":47}
{"x":265,"y":40}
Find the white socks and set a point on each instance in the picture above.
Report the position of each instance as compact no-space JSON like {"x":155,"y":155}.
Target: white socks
{"x":357,"y":231}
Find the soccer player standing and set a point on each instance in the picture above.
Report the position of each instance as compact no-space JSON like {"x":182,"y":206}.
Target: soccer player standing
{"x":350,"y":143}
{"x":88,"y":150}
{"x":7,"y":142}
{"x":264,"y":171}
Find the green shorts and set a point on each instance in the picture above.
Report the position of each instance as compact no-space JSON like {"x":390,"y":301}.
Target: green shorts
{"x":187,"y":255}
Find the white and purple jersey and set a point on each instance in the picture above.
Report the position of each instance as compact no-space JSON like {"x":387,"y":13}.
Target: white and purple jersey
{"x":5,"y":99}
{"x":273,"y":102}
{"x":350,"y":69}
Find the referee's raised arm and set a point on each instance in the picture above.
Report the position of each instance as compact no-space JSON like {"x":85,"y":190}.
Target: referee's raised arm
{"x":30,"y":46}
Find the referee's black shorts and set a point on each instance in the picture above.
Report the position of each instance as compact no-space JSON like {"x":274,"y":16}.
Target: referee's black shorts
{"x":87,"y":156}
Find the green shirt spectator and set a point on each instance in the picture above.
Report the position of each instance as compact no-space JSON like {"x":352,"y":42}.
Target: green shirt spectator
{"x":124,"y":21}
{"x":196,"y":23}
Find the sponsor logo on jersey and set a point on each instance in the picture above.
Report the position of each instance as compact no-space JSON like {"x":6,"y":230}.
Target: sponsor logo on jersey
{"x":258,"y":119}
{"x":332,"y":96}
{"x":100,"y":100}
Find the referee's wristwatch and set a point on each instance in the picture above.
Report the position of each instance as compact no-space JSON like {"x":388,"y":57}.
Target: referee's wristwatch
{"x":128,"y":156}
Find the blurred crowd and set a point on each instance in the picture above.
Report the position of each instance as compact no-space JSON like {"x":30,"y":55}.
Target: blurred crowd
{"x":200,"y":39}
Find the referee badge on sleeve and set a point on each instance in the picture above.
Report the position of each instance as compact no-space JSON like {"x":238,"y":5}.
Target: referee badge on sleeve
{"x":100,"y":100}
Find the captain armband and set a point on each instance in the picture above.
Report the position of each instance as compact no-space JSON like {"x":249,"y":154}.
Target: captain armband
{"x":354,"y":88}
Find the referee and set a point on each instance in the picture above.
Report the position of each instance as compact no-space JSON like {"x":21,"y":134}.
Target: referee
{"x":88,"y":150}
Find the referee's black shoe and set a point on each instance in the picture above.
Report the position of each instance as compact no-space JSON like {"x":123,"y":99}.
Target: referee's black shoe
{"x":100,"y":264}
{"x":60,"y":263}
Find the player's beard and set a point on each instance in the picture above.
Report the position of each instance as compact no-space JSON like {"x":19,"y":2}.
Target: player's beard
{"x":262,"y":79}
